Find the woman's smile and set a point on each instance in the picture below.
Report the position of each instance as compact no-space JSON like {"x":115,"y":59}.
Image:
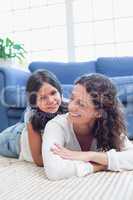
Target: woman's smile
{"x":74,"y":114}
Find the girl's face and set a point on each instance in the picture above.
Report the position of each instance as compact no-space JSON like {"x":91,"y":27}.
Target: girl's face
{"x":81,"y":108}
{"x":48,"y":98}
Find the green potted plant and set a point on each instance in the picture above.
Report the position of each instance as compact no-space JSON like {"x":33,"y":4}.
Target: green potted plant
{"x":11,"y":51}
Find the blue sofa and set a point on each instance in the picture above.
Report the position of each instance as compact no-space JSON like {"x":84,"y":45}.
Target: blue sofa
{"x":13,"y":81}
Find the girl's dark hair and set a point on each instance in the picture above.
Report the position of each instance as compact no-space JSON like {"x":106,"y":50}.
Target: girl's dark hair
{"x":110,"y":129}
{"x":34,"y":83}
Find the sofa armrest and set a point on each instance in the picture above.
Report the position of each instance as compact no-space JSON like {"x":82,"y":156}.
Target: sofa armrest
{"x":12,"y":86}
{"x":13,"y":76}
{"x":67,"y":89}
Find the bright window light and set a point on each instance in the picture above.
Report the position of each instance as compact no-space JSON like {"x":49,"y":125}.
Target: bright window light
{"x":69,"y":30}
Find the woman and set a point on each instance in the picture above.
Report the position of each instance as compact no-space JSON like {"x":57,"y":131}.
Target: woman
{"x":24,"y":140}
{"x":91,"y":136}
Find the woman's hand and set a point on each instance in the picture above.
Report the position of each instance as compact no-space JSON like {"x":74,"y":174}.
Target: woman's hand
{"x":86,"y":156}
{"x":71,"y":155}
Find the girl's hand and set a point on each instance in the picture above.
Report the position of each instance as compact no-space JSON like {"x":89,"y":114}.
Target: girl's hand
{"x":71,"y":155}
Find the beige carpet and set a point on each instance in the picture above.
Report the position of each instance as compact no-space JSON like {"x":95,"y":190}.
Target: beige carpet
{"x":25,"y":181}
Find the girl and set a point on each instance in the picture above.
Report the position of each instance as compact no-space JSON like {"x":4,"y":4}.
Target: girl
{"x":91,"y":136}
{"x":24,"y":140}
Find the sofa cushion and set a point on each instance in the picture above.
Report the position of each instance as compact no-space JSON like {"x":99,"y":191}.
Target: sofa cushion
{"x":66,"y":72}
{"x":14,"y":97}
{"x":67,"y":89}
{"x":125,"y":88}
{"x":15,"y":112}
{"x":125,"y":92}
{"x":115,"y":66}
{"x":14,"y":115}
{"x":129,"y":119}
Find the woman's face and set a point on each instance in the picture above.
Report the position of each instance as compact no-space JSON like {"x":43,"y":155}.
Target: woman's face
{"x":81,"y":108}
{"x":48,"y":98}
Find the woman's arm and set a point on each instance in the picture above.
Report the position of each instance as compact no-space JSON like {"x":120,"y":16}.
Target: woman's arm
{"x":96,"y":157}
{"x":56,"y":167}
{"x":35,"y":143}
{"x":112,"y":159}
{"x":117,"y":160}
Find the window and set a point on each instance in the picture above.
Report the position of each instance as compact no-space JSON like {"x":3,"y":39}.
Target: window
{"x":69,"y":30}
{"x":102,"y":28}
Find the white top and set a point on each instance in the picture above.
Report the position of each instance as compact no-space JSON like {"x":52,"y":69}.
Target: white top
{"x":25,"y":152}
{"x":60,"y":131}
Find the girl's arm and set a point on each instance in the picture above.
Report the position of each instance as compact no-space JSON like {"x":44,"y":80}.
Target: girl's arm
{"x":98,"y":167}
{"x":35,"y":143}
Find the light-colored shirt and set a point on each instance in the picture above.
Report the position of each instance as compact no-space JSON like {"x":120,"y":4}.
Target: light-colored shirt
{"x":25,"y":152}
{"x":61,"y":132}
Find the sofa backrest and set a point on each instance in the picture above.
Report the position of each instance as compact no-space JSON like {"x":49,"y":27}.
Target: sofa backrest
{"x":120,"y":70}
{"x":124,"y":86}
{"x":66,"y":72}
{"x":115,"y":66}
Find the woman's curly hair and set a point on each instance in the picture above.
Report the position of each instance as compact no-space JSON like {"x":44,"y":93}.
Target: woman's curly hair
{"x":110,"y":128}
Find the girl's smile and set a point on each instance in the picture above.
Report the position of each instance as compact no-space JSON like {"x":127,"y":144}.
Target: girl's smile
{"x":48,"y":98}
